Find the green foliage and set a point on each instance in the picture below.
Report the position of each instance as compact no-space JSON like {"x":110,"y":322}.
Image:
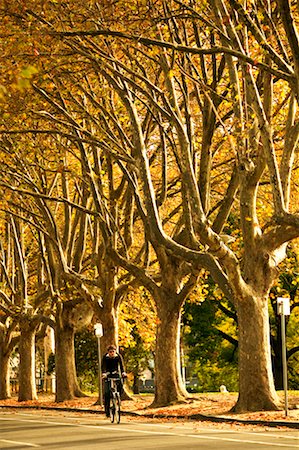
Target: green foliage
{"x":137,"y":337}
{"x":293,"y":371}
{"x":137,"y":331}
{"x":87,"y":362}
{"x":210,"y":357}
{"x":199,"y":334}
{"x":51,"y":364}
{"x":25,"y":76}
{"x":213,"y":374}
{"x":88,"y":381}
{"x":86,"y":351}
{"x":287,"y":285}
{"x":137,"y":356}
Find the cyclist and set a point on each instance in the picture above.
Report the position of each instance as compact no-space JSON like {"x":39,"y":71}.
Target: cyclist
{"x":113,"y":367}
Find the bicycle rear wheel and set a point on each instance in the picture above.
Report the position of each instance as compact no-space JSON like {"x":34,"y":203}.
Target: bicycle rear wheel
{"x":117,"y":407}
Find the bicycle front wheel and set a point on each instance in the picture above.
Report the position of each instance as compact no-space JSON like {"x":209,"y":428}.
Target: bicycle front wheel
{"x":112,"y":409}
{"x":117,"y":407}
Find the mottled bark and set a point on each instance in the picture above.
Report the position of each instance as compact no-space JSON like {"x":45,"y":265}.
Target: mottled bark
{"x":6,"y":347}
{"x":27,"y":385}
{"x":4,"y":373}
{"x":169,"y":387}
{"x":108,"y":317}
{"x":256,"y":385}
{"x":67,"y":387}
{"x":71,"y":316}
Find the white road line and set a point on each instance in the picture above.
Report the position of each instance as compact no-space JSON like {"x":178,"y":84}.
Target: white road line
{"x":201,"y":436}
{"x":249,"y":432}
{"x":19,"y":443}
{"x":241,"y":441}
{"x":197,"y":428}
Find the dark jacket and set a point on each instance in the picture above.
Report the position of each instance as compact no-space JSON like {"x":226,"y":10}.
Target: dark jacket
{"x":115,"y":364}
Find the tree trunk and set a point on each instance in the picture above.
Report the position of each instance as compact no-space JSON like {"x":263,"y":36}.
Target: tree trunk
{"x":67,"y":387}
{"x":108,"y":317}
{"x":169,"y":388}
{"x":136,"y":381}
{"x":256,"y":385}
{"x":27,"y":386}
{"x":70,"y":316}
{"x":4,"y":373}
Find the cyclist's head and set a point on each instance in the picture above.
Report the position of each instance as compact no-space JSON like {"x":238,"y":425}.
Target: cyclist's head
{"x":111,"y":350}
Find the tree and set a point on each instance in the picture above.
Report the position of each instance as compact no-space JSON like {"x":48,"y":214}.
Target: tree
{"x":257,"y":161}
{"x":7,"y":344}
{"x":73,"y":251}
{"x":15,"y":303}
{"x":197,"y":90}
{"x":7,"y":323}
{"x":171,"y":293}
{"x":58,"y":248}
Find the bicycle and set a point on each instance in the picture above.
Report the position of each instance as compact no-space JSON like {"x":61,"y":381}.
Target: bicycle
{"x":115,"y":402}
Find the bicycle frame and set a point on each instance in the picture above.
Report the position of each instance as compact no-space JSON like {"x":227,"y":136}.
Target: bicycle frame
{"x":113,"y":384}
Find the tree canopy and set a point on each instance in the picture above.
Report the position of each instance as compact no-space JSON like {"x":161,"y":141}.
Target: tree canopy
{"x":159,"y":138}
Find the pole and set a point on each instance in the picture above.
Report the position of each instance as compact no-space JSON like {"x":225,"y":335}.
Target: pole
{"x":283,"y":308}
{"x":100,"y":373}
{"x":183,"y":367}
{"x":284,"y":363}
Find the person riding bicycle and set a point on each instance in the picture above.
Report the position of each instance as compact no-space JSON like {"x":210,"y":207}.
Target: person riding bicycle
{"x":112,"y":367}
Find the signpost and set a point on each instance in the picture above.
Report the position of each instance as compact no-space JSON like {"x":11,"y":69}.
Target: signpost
{"x":98,"y":330}
{"x":283,"y":309}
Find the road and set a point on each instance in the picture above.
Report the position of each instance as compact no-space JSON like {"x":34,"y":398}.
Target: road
{"x":50,"y":430}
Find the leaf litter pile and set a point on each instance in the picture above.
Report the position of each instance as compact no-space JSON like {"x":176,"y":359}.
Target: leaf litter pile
{"x":209,"y":404}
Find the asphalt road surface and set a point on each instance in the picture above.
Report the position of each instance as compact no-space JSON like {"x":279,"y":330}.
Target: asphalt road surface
{"x":50,"y":430}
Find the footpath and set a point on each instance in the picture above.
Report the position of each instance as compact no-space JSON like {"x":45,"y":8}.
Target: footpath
{"x":211,"y":407}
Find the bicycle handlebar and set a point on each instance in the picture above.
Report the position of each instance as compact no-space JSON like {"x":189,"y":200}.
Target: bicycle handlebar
{"x":115,"y":378}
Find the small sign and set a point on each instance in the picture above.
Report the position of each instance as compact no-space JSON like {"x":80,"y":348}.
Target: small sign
{"x":283,"y":306}
{"x":98,"y":329}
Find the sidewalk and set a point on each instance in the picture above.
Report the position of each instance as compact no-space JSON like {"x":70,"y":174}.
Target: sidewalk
{"x":212,"y":407}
